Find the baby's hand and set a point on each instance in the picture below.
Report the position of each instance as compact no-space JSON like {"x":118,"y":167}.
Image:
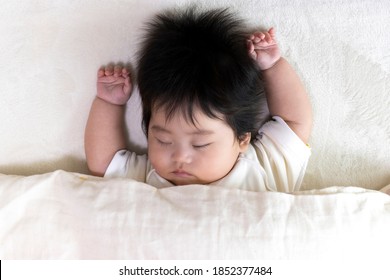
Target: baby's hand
{"x":114,"y":85}
{"x":264,"y":49}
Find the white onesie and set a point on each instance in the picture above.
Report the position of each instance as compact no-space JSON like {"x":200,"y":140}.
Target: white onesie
{"x":276,"y":161}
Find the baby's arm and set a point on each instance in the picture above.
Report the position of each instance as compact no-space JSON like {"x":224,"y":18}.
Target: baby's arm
{"x":105,"y":131}
{"x":285,"y":93}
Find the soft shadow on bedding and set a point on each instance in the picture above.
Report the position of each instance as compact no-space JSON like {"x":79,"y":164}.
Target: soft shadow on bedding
{"x":70,"y":164}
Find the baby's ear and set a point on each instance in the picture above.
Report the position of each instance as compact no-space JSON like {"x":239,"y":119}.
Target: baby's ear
{"x":244,"y":141}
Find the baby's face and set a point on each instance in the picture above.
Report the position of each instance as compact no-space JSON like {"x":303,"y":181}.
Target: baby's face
{"x":183,"y":153}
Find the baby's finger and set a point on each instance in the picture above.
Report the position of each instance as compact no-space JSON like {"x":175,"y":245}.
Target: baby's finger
{"x":127,"y":86}
{"x":272,"y":34}
{"x":268,"y":38}
{"x":250,"y":46}
{"x":258,"y":37}
{"x":109,"y":70}
{"x":101,"y":72}
{"x":125,"y":72}
{"x":117,"y":70}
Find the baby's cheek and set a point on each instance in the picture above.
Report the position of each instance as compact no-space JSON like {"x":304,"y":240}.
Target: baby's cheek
{"x":151,"y":154}
{"x":157,"y":158}
{"x":153,"y":158}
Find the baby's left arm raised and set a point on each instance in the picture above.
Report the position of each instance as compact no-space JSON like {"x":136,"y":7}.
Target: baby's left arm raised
{"x":286,"y":96}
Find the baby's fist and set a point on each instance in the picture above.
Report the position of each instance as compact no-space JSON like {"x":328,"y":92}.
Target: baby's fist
{"x":263,"y":48}
{"x":114,"y":84}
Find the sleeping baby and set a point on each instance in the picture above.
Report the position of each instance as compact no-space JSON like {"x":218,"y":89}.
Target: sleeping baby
{"x":203,"y":81}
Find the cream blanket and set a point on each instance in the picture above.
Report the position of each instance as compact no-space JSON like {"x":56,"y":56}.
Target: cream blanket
{"x":64,"y":215}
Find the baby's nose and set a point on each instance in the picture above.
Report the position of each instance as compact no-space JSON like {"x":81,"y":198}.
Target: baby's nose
{"x":182,"y":155}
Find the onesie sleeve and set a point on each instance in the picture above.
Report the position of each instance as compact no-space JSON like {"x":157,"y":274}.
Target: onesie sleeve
{"x":128,"y":165}
{"x":283,"y":155}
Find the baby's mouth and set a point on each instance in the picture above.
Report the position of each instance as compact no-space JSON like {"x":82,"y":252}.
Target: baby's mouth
{"x":181,"y":173}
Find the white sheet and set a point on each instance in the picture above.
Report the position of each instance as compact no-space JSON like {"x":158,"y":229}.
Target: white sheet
{"x":64,"y":215}
{"x":50,"y":52}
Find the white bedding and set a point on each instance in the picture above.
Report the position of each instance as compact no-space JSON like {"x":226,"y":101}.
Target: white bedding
{"x":64,"y":215}
{"x":50,"y":52}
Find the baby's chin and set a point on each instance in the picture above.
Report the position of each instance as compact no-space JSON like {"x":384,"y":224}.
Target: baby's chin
{"x":186,"y":182}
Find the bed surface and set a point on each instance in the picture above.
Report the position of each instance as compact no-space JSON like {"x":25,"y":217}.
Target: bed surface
{"x":50,"y":208}
{"x":50,"y":53}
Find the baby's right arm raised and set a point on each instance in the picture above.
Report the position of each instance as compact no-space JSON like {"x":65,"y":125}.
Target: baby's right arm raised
{"x":105,"y":130}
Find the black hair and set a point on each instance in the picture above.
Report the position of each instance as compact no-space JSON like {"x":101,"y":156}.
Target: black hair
{"x":190,"y":59}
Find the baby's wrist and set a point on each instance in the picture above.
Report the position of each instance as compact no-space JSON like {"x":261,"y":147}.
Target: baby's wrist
{"x":271,"y":65}
{"x":111,"y":102}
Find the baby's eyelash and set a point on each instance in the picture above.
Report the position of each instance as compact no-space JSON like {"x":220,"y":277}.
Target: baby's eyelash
{"x":198,"y":147}
{"x":163,"y":143}
{"x":201,"y":146}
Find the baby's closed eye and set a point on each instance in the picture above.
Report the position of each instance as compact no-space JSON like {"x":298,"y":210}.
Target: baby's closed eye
{"x":201,"y":146}
{"x":163,"y":142}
